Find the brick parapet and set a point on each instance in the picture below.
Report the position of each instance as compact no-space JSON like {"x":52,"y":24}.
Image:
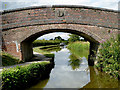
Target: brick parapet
{"x":50,"y":15}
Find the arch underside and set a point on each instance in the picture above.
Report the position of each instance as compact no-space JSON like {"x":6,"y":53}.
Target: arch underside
{"x":24,"y":36}
{"x":37,"y":31}
{"x":88,"y":32}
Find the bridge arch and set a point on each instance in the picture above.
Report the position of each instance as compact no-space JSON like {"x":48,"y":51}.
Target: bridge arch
{"x":28,"y":37}
{"x":22,"y":26}
{"x":34,"y":32}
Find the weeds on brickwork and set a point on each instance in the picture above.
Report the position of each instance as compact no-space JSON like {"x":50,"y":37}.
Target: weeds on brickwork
{"x":109,"y":57}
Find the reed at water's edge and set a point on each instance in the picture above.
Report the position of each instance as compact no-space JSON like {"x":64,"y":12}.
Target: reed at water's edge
{"x":79,"y":48}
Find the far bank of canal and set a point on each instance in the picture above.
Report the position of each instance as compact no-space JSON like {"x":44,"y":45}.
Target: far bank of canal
{"x":71,"y":70}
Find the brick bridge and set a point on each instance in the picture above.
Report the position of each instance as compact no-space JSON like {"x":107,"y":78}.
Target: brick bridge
{"x":20,"y":27}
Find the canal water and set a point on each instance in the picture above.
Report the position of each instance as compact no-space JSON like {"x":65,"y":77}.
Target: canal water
{"x":71,"y":70}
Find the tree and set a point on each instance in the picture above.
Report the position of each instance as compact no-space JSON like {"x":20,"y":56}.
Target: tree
{"x":51,"y":39}
{"x":58,"y":38}
{"x":74,"y":38}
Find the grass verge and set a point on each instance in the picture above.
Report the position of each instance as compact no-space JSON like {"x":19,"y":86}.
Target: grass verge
{"x":45,"y":53}
{"x":8,"y":59}
{"x":79,"y":48}
{"x":78,"y":45}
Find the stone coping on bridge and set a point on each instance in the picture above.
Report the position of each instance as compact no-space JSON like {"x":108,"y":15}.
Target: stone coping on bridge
{"x":53,"y":19}
{"x":58,"y":6}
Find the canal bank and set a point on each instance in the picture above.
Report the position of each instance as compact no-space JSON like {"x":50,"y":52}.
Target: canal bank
{"x":24,"y":75}
{"x":71,"y":70}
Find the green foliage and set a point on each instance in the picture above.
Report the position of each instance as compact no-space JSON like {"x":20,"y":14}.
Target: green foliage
{"x":44,"y":52}
{"x":37,"y":49}
{"x":109,"y":57}
{"x":73,"y":38}
{"x":79,"y":49}
{"x":65,"y":42}
{"x":22,"y":77}
{"x":58,"y":38}
{"x":48,"y":46}
{"x":49,"y":55}
{"x":8,"y":59}
{"x":74,"y":62}
{"x":45,"y":42}
{"x":79,"y":46}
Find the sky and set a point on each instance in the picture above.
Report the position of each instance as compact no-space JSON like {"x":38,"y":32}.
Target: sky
{"x":13,"y":4}
{"x":55,"y":34}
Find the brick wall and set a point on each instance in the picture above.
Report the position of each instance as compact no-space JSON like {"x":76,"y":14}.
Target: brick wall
{"x":54,"y":15}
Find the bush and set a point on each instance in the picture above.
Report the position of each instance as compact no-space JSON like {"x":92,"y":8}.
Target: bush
{"x":109,"y":57}
{"x":21,"y":77}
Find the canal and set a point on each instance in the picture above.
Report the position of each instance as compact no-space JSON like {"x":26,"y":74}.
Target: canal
{"x":71,"y":70}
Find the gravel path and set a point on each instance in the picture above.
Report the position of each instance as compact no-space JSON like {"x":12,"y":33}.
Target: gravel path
{"x":39,"y":57}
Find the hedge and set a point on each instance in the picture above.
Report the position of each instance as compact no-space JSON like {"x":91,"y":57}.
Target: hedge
{"x":45,"y":42}
{"x":22,"y":77}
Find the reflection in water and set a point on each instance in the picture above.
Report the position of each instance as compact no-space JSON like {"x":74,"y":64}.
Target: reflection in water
{"x":43,"y":83}
{"x":74,"y":62}
{"x":72,"y":71}
{"x":100,"y":80}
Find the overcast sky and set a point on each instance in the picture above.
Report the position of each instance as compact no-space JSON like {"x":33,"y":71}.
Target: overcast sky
{"x":12,"y":4}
